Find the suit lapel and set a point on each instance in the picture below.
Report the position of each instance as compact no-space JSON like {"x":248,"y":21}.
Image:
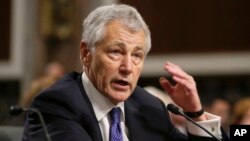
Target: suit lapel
{"x":90,"y":123}
{"x":142,"y":121}
{"x":132,"y":122}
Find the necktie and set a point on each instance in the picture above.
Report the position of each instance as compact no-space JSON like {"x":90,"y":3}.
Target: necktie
{"x":115,"y":133}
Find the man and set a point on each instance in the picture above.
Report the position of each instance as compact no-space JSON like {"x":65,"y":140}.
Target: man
{"x":114,"y":45}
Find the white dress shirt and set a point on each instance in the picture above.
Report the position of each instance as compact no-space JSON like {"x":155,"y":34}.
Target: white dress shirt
{"x":102,"y":106}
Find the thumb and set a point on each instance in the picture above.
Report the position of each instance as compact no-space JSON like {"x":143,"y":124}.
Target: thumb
{"x":166,"y":85}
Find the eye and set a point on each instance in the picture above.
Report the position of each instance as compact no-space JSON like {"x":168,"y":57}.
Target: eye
{"x":138,"y":57}
{"x":115,"y":52}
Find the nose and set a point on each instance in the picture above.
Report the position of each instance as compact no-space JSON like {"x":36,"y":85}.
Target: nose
{"x":126,"y":65}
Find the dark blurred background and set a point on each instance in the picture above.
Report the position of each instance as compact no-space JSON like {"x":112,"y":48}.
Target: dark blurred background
{"x":207,"y":38}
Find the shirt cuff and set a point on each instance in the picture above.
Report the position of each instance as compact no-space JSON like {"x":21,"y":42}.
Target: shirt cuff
{"x":212,"y":124}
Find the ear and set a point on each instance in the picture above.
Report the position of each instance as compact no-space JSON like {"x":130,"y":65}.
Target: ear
{"x":85,"y":53}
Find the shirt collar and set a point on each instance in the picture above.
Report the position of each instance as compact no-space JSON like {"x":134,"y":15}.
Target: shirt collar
{"x":101,"y":105}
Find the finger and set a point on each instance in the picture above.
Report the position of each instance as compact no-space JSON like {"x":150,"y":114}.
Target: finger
{"x":184,"y":81}
{"x":175,"y":70}
{"x":190,"y":85}
{"x":179,"y":75}
{"x":166,"y":85}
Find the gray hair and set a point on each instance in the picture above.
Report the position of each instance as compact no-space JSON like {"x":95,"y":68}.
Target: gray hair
{"x":94,"y":24}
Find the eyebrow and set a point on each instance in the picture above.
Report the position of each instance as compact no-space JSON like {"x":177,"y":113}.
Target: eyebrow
{"x":122,"y":45}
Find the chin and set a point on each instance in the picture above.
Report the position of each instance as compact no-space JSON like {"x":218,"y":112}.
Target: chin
{"x":121,"y":98}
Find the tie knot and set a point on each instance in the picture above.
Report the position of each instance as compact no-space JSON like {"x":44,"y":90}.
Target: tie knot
{"x":115,"y":114}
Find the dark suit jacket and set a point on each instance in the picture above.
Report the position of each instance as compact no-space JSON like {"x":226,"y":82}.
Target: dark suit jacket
{"x":69,"y":116}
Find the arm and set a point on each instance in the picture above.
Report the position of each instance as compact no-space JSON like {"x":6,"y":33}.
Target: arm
{"x":184,"y":94}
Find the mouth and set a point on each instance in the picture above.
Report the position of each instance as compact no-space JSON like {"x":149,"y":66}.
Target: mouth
{"x":121,"y":85}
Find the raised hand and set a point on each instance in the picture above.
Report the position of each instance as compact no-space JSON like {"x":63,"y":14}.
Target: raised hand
{"x":184,"y":92}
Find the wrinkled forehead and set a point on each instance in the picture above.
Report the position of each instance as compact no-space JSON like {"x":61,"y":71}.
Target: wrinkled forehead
{"x":118,"y":28}
{"x":127,"y":24}
{"x":118,"y":31}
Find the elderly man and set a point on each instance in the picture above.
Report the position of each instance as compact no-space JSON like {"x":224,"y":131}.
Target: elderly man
{"x":104,"y":102}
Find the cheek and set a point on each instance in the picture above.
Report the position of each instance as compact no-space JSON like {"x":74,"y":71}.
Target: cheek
{"x":139,"y":70}
{"x":103,"y":72}
{"x":136,"y":74}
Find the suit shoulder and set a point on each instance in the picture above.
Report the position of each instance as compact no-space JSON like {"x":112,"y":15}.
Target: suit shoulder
{"x":65,"y":84}
{"x":142,"y":96}
{"x":65,"y":95}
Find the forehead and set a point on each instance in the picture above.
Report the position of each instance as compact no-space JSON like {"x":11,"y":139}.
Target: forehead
{"x":117,"y":30}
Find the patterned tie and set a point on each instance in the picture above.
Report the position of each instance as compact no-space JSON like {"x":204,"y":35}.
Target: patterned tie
{"x":115,"y":133}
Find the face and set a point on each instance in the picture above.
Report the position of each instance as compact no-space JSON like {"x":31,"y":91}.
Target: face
{"x":117,"y":61}
{"x":222,"y":109}
{"x":246,"y":118}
